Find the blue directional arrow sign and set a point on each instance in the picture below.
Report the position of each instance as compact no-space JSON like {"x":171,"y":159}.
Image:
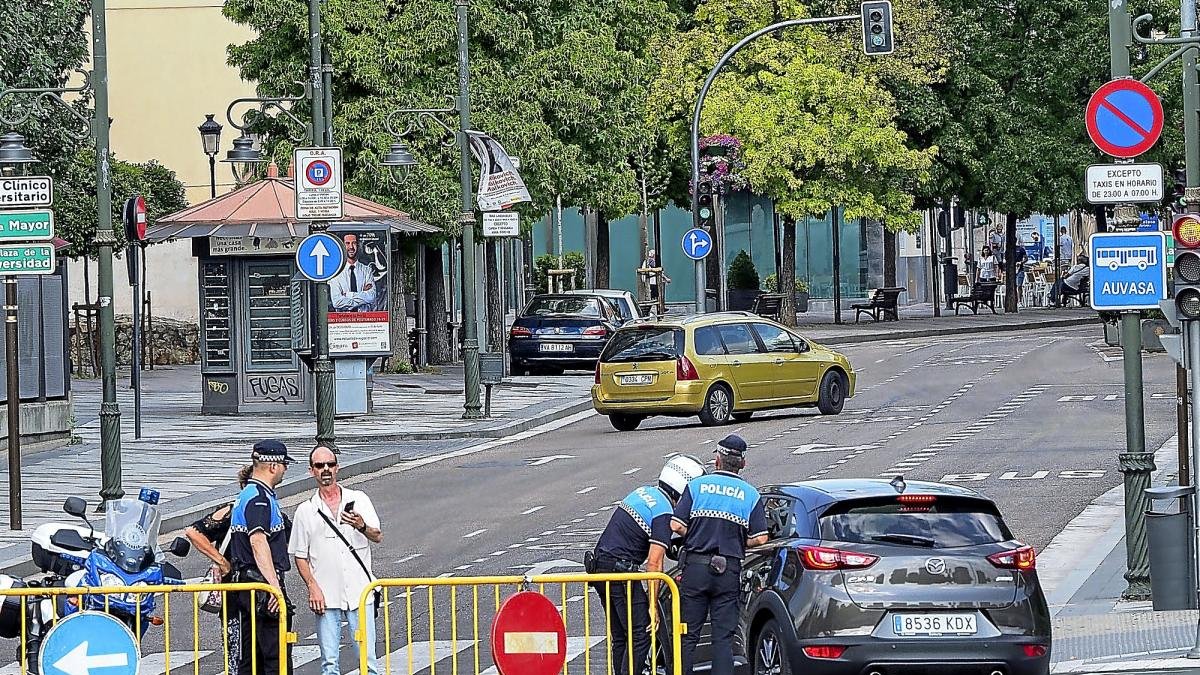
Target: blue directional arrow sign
{"x":697,"y":243}
{"x":320,"y":257}
{"x":89,"y":643}
{"x":1129,"y":270}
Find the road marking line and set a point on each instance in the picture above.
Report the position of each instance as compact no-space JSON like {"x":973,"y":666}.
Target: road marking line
{"x":463,"y":567}
{"x":409,"y":557}
{"x":476,"y":533}
{"x":498,"y":552}
{"x":532,"y":510}
{"x":632,"y":471}
{"x":586,"y":490}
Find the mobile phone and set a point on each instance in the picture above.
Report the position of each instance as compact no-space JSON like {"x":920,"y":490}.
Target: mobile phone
{"x":349,"y":507}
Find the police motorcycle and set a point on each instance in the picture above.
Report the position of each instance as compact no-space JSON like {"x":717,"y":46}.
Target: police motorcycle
{"x":126,"y":553}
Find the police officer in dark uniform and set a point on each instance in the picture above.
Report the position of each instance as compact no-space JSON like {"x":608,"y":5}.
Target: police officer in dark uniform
{"x":639,"y":530}
{"x":258,"y":552}
{"x":719,"y":515}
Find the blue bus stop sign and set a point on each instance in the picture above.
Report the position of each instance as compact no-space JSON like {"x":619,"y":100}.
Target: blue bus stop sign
{"x":89,"y":643}
{"x":1129,"y":270}
{"x":697,"y":243}
{"x":320,"y":257}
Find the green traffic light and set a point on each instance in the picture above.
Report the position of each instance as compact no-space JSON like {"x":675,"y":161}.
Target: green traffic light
{"x":705,"y":212}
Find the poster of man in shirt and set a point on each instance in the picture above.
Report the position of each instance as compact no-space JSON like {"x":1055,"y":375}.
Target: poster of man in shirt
{"x":358,"y":296}
{"x":500,"y":186}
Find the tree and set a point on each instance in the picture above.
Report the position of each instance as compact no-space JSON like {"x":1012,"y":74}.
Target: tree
{"x":48,"y":44}
{"x":818,"y":129}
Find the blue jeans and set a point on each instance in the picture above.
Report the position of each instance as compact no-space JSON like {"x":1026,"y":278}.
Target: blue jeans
{"x":329,"y":636}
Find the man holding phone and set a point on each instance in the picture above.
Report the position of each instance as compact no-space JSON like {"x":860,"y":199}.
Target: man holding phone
{"x":331,"y":539}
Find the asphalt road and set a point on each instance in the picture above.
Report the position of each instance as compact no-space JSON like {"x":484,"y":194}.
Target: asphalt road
{"x":1033,"y":420}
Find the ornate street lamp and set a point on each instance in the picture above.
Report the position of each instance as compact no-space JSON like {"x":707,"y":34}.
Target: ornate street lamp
{"x":210,"y":137}
{"x":243,"y":158}
{"x":399,"y":160}
{"x":13,"y":151}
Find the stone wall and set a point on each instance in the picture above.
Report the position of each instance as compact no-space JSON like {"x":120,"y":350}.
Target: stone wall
{"x":170,"y":342}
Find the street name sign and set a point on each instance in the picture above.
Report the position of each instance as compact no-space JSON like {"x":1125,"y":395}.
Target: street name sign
{"x":26,"y":191}
{"x":529,"y":636}
{"x":1129,"y":270}
{"x":697,"y":243}
{"x":26,"y":225}
{"x":320,"y":257}
{"x":1124,"y":118}
{"x":1124,"y":183}
{"x":501,"y":224}
{"x":319,"y":193}
{"x":26,"y":259}
{"x":89,"y":643}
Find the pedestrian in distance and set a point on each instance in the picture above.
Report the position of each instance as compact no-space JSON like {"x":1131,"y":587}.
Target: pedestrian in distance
{"x":331,"y":542}
{"x":210,"y":535}
{"x":1072,"y":283}
{"x":987,"y":265}
{"x":652,"y":262}
{"x":638,"y":530}
{"x":718,"y":515}
{"x":258,"y":553}
{"x":1066,"y":245}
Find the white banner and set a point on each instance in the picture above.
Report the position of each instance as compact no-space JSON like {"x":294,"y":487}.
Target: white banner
{"x":500,"y":185}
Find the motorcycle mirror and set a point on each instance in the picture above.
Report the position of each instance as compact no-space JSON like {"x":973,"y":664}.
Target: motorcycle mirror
{"x":75,"y":506}
{"x":179,"y":547}
{"x":69,"y":539}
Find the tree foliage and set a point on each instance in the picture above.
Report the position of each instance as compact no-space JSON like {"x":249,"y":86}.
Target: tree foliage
{"x":44,"y":44}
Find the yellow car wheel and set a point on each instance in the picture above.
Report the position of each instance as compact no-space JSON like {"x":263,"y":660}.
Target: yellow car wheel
{"x":718,"y":406}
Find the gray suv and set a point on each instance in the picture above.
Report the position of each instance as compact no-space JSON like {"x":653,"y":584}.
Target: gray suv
{"x":870,"y":577}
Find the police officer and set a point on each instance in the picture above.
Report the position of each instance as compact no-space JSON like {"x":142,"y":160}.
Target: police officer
{"x":719,"y":515}
{"x":258,"y":544}
{"x":639,"y":530}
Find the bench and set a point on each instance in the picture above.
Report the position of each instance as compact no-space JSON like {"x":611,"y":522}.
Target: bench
{"x":982,"y":293}
{"x":768,"y":305}
{"x":881,"y":304}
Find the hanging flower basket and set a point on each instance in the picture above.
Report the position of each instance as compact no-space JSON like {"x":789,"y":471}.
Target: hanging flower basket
{"x":721,"y":163}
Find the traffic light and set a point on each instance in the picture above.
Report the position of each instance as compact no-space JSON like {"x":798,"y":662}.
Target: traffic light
{"x":1186,"y":229}
{"x":704,"y":200}
{"x":877,"y":27}
{"x":1178,"y":191}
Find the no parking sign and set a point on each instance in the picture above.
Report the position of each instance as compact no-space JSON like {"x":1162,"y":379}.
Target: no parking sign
{"x":318,"y":183}
{"x":1124,"y":118}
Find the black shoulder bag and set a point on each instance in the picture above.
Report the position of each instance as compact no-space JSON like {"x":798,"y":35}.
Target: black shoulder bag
{"x":370,"y":577}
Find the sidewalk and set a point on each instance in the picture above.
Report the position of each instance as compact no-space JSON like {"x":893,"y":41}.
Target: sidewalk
{"x":1082,"y":571}
{"x":193,"y":459}
{"x":918,"y":321}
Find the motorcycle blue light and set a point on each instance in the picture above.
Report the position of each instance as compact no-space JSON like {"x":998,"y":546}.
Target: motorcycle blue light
{"x":149,"y":496}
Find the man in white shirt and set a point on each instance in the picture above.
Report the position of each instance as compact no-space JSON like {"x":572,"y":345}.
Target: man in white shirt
{"x":331,"y":537}
{"x":1072,"y":284}
{"x":352,"y":290}
{"x":1066,"y":245}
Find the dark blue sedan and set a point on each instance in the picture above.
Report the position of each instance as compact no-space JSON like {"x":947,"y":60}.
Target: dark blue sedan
{"x":559,"y":332}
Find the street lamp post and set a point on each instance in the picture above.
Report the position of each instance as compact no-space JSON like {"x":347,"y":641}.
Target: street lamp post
{"x":400,"y":158}
{"x":210,"y":137}
{"x":96,"y":83}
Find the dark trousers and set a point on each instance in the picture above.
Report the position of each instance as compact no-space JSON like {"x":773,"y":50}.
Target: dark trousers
{"x":626,"y":604}
{"x":260,"y":655}
{"x":704,"y":594}
{"x":1060,"y":290}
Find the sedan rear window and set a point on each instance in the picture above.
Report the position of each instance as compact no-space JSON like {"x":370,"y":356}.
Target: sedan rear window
{"x":645,"y":343}
{"x":573,"y":306}
{"x":943,"y":523}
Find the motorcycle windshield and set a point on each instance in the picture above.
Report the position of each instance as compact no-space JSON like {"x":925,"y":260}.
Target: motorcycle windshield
{"x":132,"y":529}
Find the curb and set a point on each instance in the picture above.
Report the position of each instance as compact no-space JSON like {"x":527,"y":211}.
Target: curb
{"x":953,"y":330}
{"x":190,"y":508}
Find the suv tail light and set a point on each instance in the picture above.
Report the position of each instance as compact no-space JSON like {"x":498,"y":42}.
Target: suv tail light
{"x":684,"y":370}
{"x":595,"y":331}
{"x":827,"y":559}
{"x":1034,"y":651}
{"x":824,"y":651}
{"x":597,"y":372}
{"x":520,"y":331}
{"x":1023,"y":558}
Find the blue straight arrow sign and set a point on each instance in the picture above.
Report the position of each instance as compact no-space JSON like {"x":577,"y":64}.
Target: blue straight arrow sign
{"x":320,"y":257}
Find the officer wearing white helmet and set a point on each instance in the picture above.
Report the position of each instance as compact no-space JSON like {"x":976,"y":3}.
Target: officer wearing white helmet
{"x":639,"y":530}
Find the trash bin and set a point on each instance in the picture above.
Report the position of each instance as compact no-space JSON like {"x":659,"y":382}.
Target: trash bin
{"x":1169,"y":538}
{"x":949,"y":277}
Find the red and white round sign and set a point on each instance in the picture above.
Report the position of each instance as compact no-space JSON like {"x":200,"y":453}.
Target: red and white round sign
{"x":528,"y":636}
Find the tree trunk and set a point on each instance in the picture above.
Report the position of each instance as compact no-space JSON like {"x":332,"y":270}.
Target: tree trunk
{"x":787,"y":273}
{"x":495,"y":308}
{"x":889,"y":258}
{"x":401,"y":359}
{"x":602,"y":251}
{"x":643,"y":294}
{"x":1010,"y":262}
{"x":435,"y":303}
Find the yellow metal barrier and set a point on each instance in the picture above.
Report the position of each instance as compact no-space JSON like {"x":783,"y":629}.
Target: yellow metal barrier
{"x":427,"y":641}
{"x":150,"y":641}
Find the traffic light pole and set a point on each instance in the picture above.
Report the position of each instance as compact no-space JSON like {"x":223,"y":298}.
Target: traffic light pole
{"x":695,"y":130}
{"x":1191,"y":136}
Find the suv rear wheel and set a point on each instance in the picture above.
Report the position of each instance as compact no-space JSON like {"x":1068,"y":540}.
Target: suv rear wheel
{"x":625,"y":422}
{"x":832,"y":395}
{"x":718,"y":405}
{"x":770,"y":655}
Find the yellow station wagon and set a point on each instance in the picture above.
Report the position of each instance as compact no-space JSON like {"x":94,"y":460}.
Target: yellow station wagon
{"x":719,"y":366}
